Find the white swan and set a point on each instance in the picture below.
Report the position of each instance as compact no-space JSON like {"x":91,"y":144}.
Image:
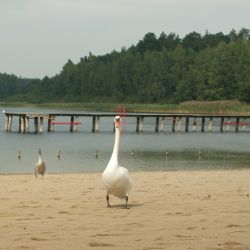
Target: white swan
{"x":40,"y":165}
{"x":115,"y":178}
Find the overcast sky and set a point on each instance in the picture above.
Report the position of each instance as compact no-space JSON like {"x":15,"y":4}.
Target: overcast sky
{"x":39,"y":36}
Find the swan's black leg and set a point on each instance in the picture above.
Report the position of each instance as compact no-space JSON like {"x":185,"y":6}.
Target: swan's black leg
{"x":126,"y":201}
{"x":107,"y":198}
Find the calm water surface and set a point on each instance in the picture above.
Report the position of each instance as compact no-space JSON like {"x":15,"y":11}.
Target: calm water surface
{"x":227,"y":150}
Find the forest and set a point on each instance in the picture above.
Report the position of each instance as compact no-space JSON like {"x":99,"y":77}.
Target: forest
{"x":163,"y":69}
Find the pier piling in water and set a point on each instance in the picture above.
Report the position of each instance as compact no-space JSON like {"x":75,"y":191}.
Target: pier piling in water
{"x":95,"y":123}
{"x":187,"y":124}
{"x":210,"y":124}
{"x":203,"y":124}
{"x":173,"y":124}
{"x":237,"y":124}
{"x":157,"y":124}
{"x":72,"y":118}
{"x":162,"y":119}
{"x":221,"y":124}
{"x":139,"y":123}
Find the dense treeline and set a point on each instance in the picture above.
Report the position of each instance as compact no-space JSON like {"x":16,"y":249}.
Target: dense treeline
{"x":156,"y":70}
{"x":10,"y":85}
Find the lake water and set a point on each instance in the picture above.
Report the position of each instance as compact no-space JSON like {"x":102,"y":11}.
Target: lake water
{"x":228,"y":150}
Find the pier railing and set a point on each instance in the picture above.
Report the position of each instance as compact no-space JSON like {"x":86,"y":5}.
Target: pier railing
{"x":186,"y":122}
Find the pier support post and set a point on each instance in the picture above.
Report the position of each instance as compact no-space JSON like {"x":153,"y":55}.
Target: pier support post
{"x":20,"y":124}
{"x":95,"y":123}
{"x":27,"y":120}
{"x":162,"y":124}
{"x":23,"y":125}
{"x":157,"y":124}
{"x":210,"y":124}
{"x":75,"y":127}
{"x":173,"y":124}
{"x":6,"y":124}
{"x":10,"y":123}
{"x":179,"y":124}
{"x":52,"y":125}
{"x":221,"y":124}
{"x":71,"y":123}
{"x":41,"y":124}
{"x":244,"y":125}
{"x":49,"y":123}
{"x":228,"y":124}
{"x":187,"y":124}
{"x":202,"y":124}
{"x":139,"y":124}
{"x":237,"y":124}
{"x":194,"y":125}
{"x":36,"y":124}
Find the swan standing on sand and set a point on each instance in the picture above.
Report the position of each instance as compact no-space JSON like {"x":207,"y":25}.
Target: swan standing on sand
{"x":40,"y":165}
{"x":115,"y":178}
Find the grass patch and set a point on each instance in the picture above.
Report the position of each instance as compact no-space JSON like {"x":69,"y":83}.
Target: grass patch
{"x":211,"y":107}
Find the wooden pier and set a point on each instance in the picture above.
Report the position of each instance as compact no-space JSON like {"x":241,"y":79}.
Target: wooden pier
{"x":177,"y":122}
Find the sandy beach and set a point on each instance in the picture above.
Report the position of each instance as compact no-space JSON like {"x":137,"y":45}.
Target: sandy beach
{"x":167,"y":210}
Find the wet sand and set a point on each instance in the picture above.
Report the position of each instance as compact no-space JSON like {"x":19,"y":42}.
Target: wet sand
{"x":167,"y":210}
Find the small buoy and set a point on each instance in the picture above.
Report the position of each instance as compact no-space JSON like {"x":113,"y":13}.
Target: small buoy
{"x":96,"y":154}
{"x":166,"y":153}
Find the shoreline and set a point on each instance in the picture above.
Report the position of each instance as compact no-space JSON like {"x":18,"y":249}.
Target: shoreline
{"x":136,"y":171}
{"x":167,"y":210}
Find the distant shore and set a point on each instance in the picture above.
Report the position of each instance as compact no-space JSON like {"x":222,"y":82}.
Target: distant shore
{"x":167,"y":210}
{"x":208,"y":107}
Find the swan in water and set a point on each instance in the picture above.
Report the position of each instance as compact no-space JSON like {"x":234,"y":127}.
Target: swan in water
{"x":40,"y":165}
{"x":115,"y":178}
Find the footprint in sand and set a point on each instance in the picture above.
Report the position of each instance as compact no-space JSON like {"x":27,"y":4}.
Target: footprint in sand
{"x":100,"y":244}
{"x":38,"y":239}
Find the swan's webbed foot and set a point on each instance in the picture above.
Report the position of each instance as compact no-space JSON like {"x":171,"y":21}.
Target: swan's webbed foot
{"x":107,"y":198}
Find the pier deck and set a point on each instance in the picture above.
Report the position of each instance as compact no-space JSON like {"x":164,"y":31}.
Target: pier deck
{"x":177,"y":121}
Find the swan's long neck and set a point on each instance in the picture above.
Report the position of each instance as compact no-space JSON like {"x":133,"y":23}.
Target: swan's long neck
{"x":114,"y":156}
{"x":116,"y":144}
